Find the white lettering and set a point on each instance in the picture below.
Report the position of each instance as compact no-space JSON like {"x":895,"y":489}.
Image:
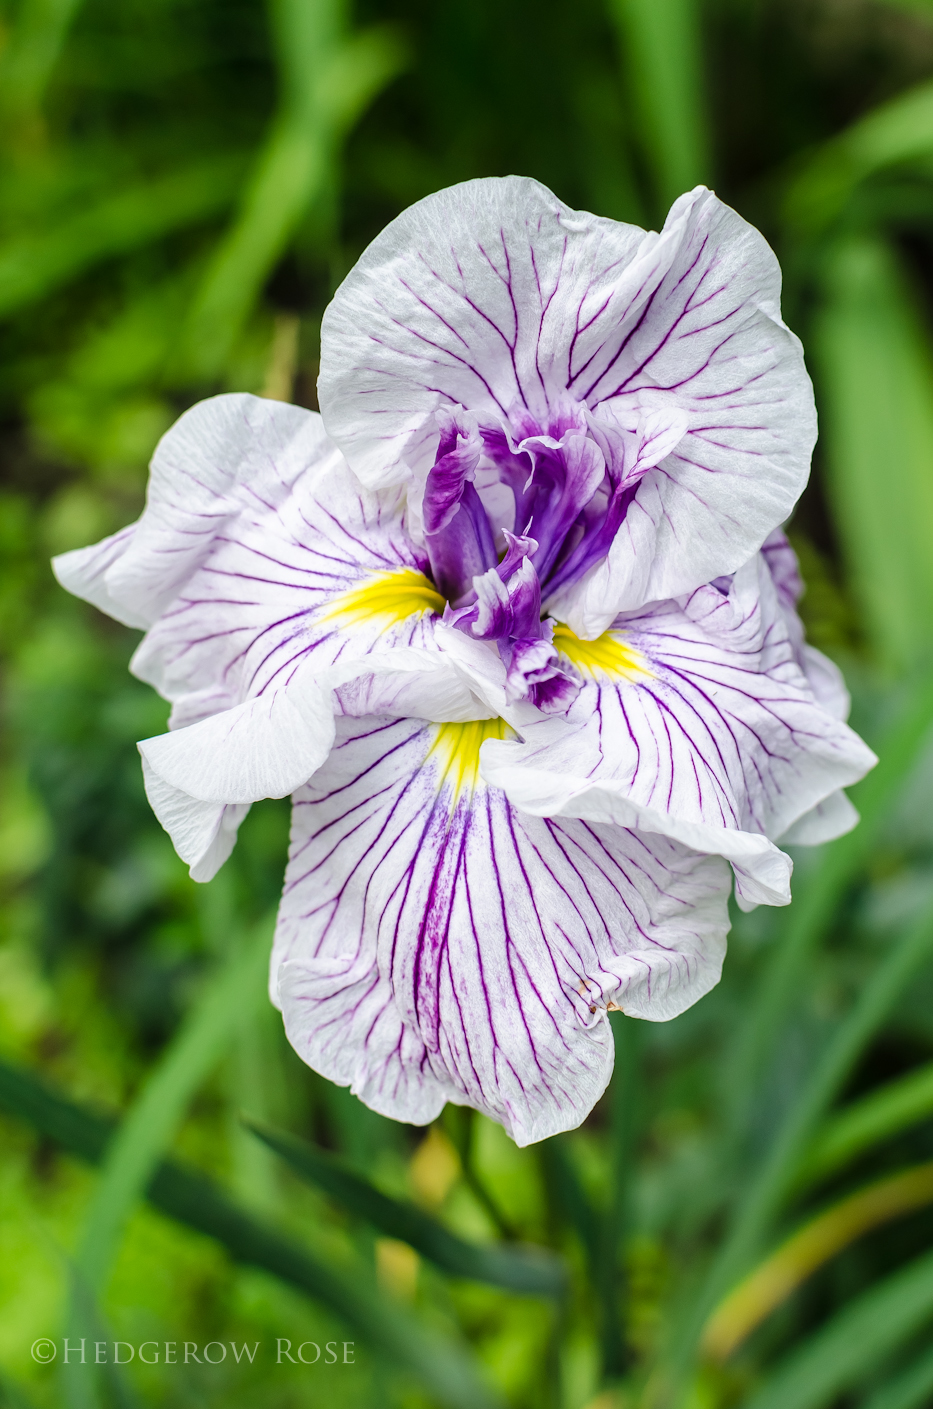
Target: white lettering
{"x":170,"y":1358}
{"x":331,"y":1348}
{"x":142,"y":1357}
{"x":223,"y":1352}
{"x":98,"y":1347}
{"x":317,"y":1353}
{"x":116,"y":1352}
{"x":194,"y":1351}
{"x":69,"y":1348}
{"x":348,"y":1352}
{"x":245,"y":1350}
{"x":285,"y":1352}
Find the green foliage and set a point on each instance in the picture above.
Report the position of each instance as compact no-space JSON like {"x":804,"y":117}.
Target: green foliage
{"x":182,"y":185}
{"x":518,"y":1269}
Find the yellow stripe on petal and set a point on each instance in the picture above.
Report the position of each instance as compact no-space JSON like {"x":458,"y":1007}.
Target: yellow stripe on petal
{"x":455,"y":752}
{"x":386,"y":599}
{"x":609,"y":657}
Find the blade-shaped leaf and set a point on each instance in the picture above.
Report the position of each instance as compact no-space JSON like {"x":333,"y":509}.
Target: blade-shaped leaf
{"x":197,"y":1201}
{"x":327,"y":81}
{"x":522,"y":1269}
{"x":34,"y":265}
{"x":817,"y":896}
{"x":663,"y":66}
{"x":152,"y":1121}
{"x":893,"y":133}
{"x":876,"y":1117}
{"x":876,"y":372}
{"x":853,"y":1342}
{"x":775,"y":1279}
{"x":770,"y":1183}
{"x":907,"y":1391}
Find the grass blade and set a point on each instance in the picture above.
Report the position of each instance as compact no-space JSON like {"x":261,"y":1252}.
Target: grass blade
{"x":775,"y":1279}
{"x":193,"y":1199}
{"x":891,"y":134}
{"x":769,"y":1185}
{"x":882,"y":1113}
{"x":520,"y":1269}
{"x":29,"y":59}
{"x":34,"y":265}
{"x":152,"y":1121}
{"x":877,"y":380}
{"x":908,"y":1391}
{"x":326,"y":84}
{"x":662,"y":58}
{"x":853,"y":1342}
{"x":817,"y":899}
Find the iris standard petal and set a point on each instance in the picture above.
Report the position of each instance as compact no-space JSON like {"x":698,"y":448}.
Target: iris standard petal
{"x":696,"y":720}
{"x":497,"y":297}
{"x":435,"y":944}
{"x":464,"y":299}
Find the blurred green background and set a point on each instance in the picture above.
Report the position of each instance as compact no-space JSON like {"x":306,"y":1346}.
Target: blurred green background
{"x":747,"y":1217}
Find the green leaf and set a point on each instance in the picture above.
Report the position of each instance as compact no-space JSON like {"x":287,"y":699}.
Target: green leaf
{"x":907,"y":1391}
{"x":444,"y":1366}
{"x":520,"y":1269}
{"x":34,"y":265}
{"x":892,"y":134}
{"x":876,"y":1117}
{"x":876,"y":378}
{"x":31,"y":55}
{"x":11,"y":1396}
{"x":151,"y":1123}
{"x":662,"y":59}
{"x":853,"y":1342}
{"x":764,"y":1192}
{"x":817,"y":897}
{"x":327,"y":82}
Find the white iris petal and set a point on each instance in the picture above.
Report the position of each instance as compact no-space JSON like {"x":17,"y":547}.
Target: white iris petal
{"x":473,"y":883}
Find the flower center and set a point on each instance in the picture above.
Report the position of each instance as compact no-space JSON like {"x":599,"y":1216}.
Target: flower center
{"x":455,"y":752}
{"x":387,"y":599}
{"x":606,"y":658}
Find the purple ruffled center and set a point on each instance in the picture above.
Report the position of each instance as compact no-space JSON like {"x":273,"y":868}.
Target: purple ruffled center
{"x":570,"y":485}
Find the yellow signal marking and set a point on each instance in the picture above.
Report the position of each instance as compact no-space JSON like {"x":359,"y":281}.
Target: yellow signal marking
{"x":387,"y":599}
{"x":609,"y":657}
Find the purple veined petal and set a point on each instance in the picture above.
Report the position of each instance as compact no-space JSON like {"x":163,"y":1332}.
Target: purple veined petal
{"x":504,"y":606}
{"x":201,"y":779}
{"x":474,"y":296}
{"x":85,"y":573}
{"x":823,"y":675}
{"x":264,"y":747}
{"x":435,"y":944}
{"x":710,"y":340}
{"x":784,"y":569}
{"x":705,"y":728}
{"x":463,"y":548}
{"x":225,"y":456}
{"x":762,"y":871}
{"x":825,"y":680}
{"x":407,"y":682}
{"x":260,"y":556}
{"x":496,"y":297}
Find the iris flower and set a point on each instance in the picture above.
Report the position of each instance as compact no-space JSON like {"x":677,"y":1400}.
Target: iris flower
{"x":514,"y":623}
